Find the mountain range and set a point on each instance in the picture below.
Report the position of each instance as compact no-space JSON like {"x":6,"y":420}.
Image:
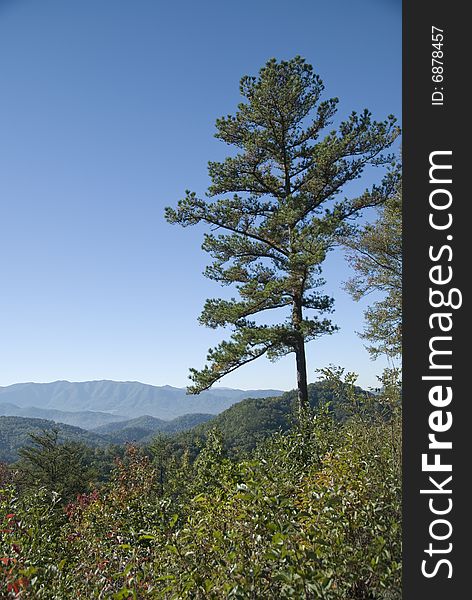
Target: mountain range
{"x":243,"y":424}
{"x":15,"y":431}
{"x":93,"y":404}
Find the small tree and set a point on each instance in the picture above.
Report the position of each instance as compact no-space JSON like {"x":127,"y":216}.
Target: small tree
{"x":375,"y":253}
{"x":282,"y":217}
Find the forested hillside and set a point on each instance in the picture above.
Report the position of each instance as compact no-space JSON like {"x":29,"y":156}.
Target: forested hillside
{"x":251,"y":421}
{"x":15,"y":434}
{"x":311,"y":512}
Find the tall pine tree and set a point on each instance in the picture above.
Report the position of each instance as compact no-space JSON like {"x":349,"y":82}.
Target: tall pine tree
{"x":273,"y":214}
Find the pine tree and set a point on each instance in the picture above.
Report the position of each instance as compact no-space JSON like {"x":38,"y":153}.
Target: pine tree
{"x":58,"y":466}
{"x":273,"y":214}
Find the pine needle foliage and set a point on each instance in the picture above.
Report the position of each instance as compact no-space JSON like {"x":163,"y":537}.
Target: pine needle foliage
{"x":273,"y":211}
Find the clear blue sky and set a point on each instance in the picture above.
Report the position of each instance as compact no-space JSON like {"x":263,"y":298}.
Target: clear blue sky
{"x":107,"y":111}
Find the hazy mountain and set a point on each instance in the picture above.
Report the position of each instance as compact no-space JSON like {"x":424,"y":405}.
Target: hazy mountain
{"x":143,"y":429}
{"x":146,"y":421}
{"x":130,"y":399}
{"x":152,"y":423}
{"x":87,"y":419}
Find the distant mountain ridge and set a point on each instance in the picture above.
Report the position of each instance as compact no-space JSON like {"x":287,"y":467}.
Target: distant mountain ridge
{"x":86,"y":419}
{"x":125,"y":399}
{"x":144,"y":429}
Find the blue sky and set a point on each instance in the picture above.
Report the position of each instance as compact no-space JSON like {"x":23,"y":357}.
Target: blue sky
{"x":107,"y":111}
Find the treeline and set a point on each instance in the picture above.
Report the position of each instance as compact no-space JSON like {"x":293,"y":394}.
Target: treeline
{"x":311,"y":512}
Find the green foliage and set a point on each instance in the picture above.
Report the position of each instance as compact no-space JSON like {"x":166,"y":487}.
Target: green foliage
{"x":62,"y":469}
{"x":277,"y":210}
{"x":376,"y":256}
{"x":313,"y":512}
{"x":249,"y":422}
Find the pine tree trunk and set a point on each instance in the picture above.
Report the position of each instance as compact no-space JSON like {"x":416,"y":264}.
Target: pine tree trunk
{"x":302,"y":382}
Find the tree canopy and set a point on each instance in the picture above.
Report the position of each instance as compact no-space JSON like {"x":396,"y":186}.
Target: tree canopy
{"x":375,"y":253}
{"x":274,"y":211}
